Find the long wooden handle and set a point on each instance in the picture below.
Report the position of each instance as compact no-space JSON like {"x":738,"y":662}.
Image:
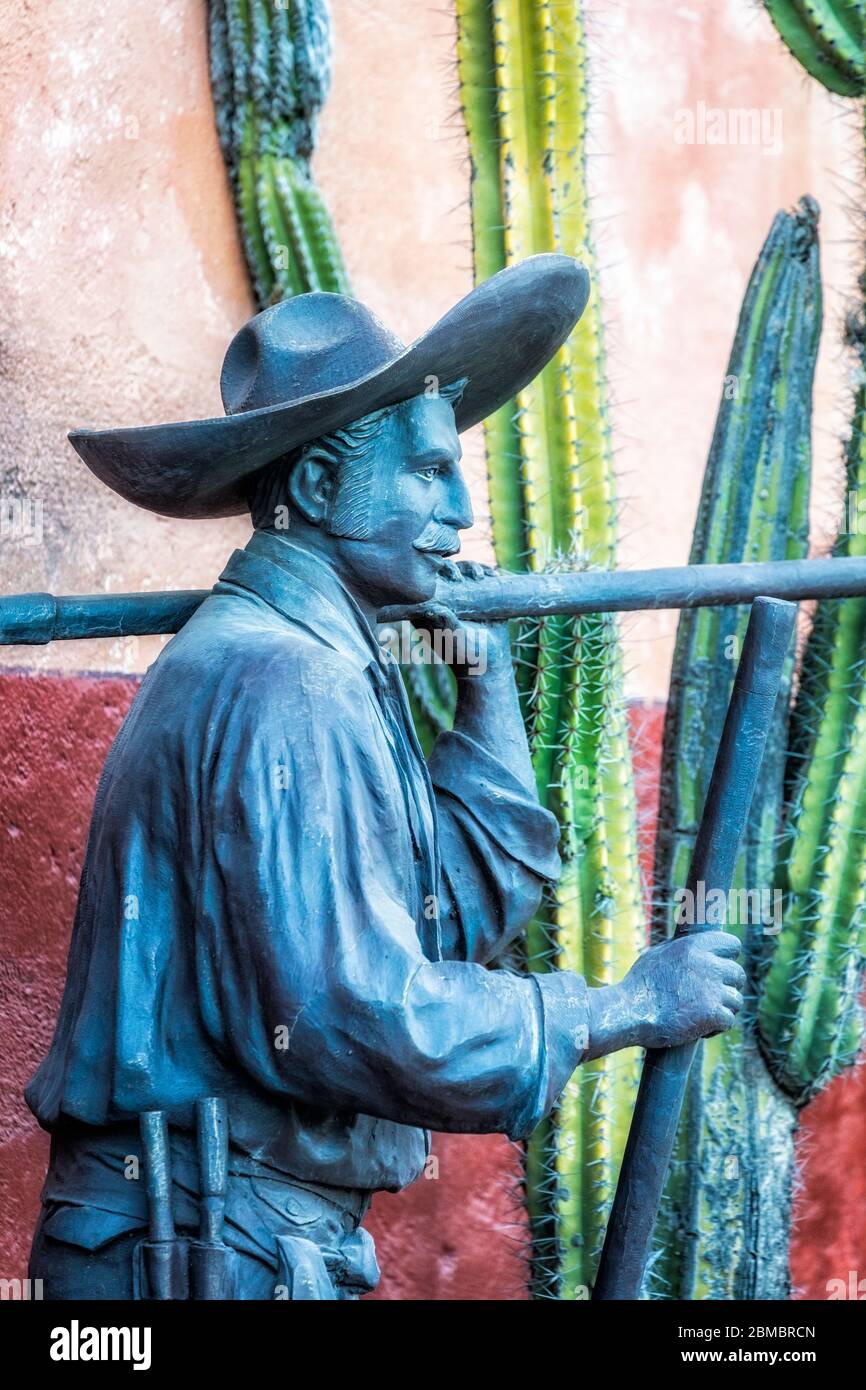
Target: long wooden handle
{"x":38,"y":618}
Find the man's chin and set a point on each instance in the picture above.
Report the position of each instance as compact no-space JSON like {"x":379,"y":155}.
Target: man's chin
{"x":410,"y":590}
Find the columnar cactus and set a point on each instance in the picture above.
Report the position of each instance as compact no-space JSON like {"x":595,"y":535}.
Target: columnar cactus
{"x":270,"y":72}
{"x":523,"y":82}
{"x":826,"y":36}
{"x":754,"y":505}
{"x":725,"y":1223}
{"x":723,"y":1228}
{"x":810,"y":1020}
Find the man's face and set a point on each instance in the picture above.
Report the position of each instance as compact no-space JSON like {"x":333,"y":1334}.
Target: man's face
{"x":420,"y":503}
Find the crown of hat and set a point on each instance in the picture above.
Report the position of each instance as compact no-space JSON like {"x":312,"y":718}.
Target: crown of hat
{"x":302,"y":347}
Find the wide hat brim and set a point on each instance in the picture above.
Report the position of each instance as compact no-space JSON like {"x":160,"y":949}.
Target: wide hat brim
{"x":499,"y":337}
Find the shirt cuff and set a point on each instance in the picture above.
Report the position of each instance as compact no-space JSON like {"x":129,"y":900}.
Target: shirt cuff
{"x":507,"y":812}
{"x":563,"y":1013}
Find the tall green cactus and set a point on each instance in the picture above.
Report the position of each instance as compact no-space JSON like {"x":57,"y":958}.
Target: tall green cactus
{"x":723,"y":1227}
{"x":754,"y":506}
{"x":523,"y":81}
{"x":725,"y":1222}
{"x":810,"y":1020}
{"x":270,"y":72}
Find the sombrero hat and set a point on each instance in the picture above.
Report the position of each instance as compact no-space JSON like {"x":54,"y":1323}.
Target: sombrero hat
{"x":313,"y":364}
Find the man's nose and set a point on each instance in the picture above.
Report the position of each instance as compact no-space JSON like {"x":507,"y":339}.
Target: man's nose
{"x":456,"y":509}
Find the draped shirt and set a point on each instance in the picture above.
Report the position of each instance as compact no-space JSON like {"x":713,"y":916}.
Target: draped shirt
{"x":284,"y":904}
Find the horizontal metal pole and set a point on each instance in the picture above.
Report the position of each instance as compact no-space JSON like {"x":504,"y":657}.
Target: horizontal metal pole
{"x":39,"y":618}
{"x":623,"y":591}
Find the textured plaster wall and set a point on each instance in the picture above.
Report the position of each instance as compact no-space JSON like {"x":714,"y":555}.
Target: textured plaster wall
{"x":687,"y":221}
{"x":121,"y":278}
{"x":121,"y":281}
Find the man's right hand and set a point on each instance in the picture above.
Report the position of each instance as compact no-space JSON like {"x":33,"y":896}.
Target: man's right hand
{"x":687,"y":988}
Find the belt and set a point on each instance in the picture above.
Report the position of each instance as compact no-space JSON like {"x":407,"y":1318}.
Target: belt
{"x":308,"y":1233}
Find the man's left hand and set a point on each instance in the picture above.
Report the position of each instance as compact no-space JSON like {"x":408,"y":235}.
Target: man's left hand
{"x":488,"y":643}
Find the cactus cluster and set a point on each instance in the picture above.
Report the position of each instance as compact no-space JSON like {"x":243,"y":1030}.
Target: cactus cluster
{"x":725,"y":1222}
{"x":270,"y":64}
{"x":810,"y":1019}
{"x":722,"y":1232}
{"x":523,"y":84}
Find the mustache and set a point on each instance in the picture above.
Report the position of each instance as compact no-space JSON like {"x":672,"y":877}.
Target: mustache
{"x":439,"y":539}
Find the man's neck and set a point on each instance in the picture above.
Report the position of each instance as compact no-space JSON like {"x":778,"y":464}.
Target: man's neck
{"x":309,"y":540}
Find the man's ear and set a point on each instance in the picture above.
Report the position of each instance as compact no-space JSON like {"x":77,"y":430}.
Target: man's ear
{"x":311,"y":487}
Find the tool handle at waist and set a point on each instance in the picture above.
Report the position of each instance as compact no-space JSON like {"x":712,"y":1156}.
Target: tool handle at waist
{"x":163,"y":1255}
{"x":157,"y":1174}
{"x":213,"y":1144}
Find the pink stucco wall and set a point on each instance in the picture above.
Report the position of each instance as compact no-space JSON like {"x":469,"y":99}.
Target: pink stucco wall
{"x":121,"y":280}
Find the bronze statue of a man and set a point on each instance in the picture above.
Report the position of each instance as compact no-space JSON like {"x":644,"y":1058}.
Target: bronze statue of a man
{"x":283,"y":905}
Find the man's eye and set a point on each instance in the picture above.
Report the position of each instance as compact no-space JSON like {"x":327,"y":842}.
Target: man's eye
{"x":429,"y":473}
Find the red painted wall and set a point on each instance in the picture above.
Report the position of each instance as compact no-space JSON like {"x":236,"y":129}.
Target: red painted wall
{"x":458,"y":1236}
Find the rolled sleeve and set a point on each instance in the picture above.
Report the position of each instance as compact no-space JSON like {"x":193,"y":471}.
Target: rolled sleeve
{"x":563,"y":1014}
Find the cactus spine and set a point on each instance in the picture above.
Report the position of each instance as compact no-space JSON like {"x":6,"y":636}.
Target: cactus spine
{"x":270,"y":73}
{"x":523,"y":75}
{"x":723,"y":1229}
{"x":826,"y":36}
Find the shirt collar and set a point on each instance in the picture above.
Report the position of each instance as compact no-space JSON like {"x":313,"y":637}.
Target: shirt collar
{"x":305,"y":589}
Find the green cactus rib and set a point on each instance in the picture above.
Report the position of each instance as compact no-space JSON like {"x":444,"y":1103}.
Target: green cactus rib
{"x":826,"y":36}
{"x":753,"y":506}
{"x":270,"y":72}
{"x":432,"y":695}
{"x":502,"y":440}
{"x":722,"y":1229}
{"x":809,"y":1018}
{"x":523,"y":81}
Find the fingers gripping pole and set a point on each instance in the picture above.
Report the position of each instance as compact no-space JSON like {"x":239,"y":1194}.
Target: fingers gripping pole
{"x":665,"y":1071}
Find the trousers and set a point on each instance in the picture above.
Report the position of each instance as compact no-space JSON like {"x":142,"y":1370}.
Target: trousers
{"x":290,"y":1239}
